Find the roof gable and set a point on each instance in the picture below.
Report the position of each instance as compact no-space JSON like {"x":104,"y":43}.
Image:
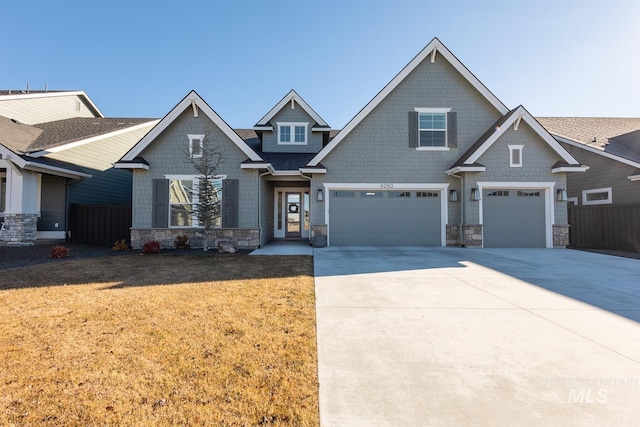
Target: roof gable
{"x":470,"y":157}
{"x":292,"y":96}
{"x":428,"y":53}
{"x":6,"y":95}
{"x":192,"y":100}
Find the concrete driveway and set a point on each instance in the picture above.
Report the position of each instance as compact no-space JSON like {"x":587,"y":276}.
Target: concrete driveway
{"x":464,"y":337}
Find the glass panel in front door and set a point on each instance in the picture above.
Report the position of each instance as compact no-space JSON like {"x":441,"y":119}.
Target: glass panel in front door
{"x":294,"y":213}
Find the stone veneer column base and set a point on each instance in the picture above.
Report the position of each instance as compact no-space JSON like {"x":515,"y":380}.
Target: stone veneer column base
{"x":20,"y":229}
{"x":241,"y":238}
{"x":561,"y":235}
{"x":472,"y":235}
{"x":453,"y":235}
{"x":319,"y":231}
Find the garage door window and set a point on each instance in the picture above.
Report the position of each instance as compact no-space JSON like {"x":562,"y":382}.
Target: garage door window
{"x":499,"y":193}
{"x":345,"y":194}
{"x":426,"y":194}
{"x":370,"y":194}
{"x":528,"y":194}
{"x":399,"y":194}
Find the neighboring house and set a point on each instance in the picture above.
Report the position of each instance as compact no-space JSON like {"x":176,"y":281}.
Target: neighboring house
{"x":57,"y":148}
{"x":434,"y":159}
{"x":611,"y":148}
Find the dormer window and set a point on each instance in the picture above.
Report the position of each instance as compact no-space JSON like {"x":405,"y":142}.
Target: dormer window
{"x":195,"y":145}
{"x":294,"y":133}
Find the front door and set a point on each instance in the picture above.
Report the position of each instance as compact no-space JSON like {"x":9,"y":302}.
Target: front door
{"x":293,"y":207}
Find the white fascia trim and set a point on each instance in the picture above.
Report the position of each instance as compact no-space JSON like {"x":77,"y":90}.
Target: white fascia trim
{"x":465,"y":169}
{"x":131,"y":166}
{"x":39,"y":167}
{"x":634,"y":178}
{"x":537,"y":128}
{"x":263,"y":128}
{"x":549,"y":193}
{"x":596,"y":151}
{"x":320,"y":170}
{"x":175,"y":113}
{"x":570,"y":169}
{"x":9,"y":155}
{"x":51,"y":95}
{"x":417,"y":60}
{"x":286,"y":173}
{"x":292,"y":95}
{"x":327,"y":129}
{"x":388,"y":186}
{"x":255,"y":165}
{"x":93,"y":139}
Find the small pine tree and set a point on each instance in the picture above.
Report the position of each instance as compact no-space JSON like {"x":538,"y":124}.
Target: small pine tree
{"x":209,"y":204}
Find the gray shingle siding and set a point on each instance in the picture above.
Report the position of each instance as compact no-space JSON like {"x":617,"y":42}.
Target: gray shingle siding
{"x":270,"y":139}
{"x":603,"y":172}
{"x":377,"y":150}
{"x":168,"y":155}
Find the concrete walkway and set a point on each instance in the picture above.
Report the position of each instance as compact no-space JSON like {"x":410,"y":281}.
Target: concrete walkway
{"x":285,"y":247}
{"x":462,"y":337}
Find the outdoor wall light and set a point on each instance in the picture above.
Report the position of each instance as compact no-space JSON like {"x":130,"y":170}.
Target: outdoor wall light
{"x":475,"y":194}
{"x":561,"y":195}
{"x":319,"y":195}
{"x":453,"y":196}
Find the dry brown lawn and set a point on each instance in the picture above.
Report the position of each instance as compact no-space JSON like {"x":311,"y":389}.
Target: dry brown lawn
{"x":159,"y":340}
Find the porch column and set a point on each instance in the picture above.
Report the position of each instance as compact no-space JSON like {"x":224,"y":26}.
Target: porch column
{"x":21,"y":205}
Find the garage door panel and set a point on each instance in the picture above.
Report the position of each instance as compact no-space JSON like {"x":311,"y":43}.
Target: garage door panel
{"x":514,"y":218}
{"x":385,"y":218}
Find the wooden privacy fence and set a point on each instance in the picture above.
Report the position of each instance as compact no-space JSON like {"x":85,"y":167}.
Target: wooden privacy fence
{"x":100,"y":224}
{"x":605,"y":227}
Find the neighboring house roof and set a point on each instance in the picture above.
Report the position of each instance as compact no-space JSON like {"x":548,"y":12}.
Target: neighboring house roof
{"x":6,"y":95}
{"x":468,"y":160}
{"x":615,"y":136}
{"x":192,"y":100}
{"x":430,"y":51}
{"x":291,"y":97}
{"x":16,"y":136}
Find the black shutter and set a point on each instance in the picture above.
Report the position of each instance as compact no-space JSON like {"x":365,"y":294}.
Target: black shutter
{"x":160,"y":205}
{"x":452,"y":129}
{"x":230,"y":203}
{"x":413,"y":129}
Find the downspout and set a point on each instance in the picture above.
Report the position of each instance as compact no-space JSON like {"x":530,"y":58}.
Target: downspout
{"x":462,"y":199}
{"x":260,"y":175}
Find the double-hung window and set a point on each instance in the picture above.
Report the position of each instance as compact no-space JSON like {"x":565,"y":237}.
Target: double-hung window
{"x":433,"y":128}
{"x":183,"y":201}
{"x":292,"y":133}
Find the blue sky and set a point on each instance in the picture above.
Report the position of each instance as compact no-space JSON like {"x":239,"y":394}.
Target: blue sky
{"x":139,"y":59}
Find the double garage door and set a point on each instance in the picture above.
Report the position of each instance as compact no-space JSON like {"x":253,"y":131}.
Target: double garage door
{"x":385,"y":218}
{"x":514,"y":218}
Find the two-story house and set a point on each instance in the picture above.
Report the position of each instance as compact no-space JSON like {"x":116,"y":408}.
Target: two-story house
{"x":434,"y":159}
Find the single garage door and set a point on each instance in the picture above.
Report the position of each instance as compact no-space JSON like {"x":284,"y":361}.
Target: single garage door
{"x":513,"y":218}
{"x":384,"y":218}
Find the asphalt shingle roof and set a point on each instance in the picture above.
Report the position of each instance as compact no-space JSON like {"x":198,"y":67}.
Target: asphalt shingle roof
{"x":619,"y":136}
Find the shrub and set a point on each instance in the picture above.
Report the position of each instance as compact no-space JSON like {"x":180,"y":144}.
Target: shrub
{"x":182,"y":242}
{"x":120,"y":245}
{"x":151,"y":247}
{"x":59,"y":252}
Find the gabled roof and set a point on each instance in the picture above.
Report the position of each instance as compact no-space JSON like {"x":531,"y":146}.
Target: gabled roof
{"x":619,"y":137}
{"x":50,"y":166}
{"x":192,"y":100}
{"x":6,"y":95}
{"x":44,"y":138}
{"x":468,"y":160}
{"x":291,"y":97}
{"x":430,"y":51}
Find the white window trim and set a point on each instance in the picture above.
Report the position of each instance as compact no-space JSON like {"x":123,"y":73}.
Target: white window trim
{"x":446,"y":128}
{"x":513,"y":148}
{"x":292,"y":132}
{"x":194,"y":137}
{"x":607,"y":190}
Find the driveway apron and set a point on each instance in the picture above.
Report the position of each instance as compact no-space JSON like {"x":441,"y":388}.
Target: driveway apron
{"x":463,"y":337}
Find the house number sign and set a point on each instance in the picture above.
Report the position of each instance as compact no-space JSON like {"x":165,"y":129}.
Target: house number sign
{"x":386,"y":185}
